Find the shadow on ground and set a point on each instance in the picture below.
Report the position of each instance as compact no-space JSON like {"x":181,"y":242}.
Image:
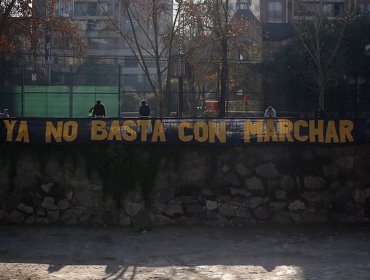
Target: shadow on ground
{"x":258,"y":252}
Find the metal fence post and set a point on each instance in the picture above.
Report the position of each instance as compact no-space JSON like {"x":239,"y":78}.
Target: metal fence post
{"x":181,"y":97}
{"x":119,"y":89}
{"x":71,"y":96}
{"x":22,"y":93}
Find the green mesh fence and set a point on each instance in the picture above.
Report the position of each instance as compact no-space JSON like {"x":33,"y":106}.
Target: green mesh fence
{"x":58,"y":101}
{"x":84,"y":98}
{"x":11,"y":98}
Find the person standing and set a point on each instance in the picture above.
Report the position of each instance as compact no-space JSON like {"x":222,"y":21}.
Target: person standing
{"x":144,"y":110}
{"x":270,"y":113}
{"x":99,"y":110}
{"x":5,"y":114}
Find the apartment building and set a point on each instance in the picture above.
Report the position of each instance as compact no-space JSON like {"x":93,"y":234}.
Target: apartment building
{"x":285,"y":11}
{"x":101,"y":24}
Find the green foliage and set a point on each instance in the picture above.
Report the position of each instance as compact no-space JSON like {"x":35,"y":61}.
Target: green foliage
{"x":289,"y":72}
{"x":131,"y":101}
{"x":356,"y":38}
{"x":293,"y":71}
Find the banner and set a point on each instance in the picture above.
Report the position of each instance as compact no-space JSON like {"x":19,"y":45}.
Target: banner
{"x":182,"y":131}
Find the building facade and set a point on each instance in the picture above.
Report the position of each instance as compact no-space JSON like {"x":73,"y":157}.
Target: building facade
{"x":108,"y":58}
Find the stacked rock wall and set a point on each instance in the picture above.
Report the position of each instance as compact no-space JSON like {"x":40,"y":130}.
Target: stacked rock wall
{"x":191,"y":185}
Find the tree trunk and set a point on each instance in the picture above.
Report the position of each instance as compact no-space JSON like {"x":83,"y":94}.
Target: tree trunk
{"x":321,"y":87}
{"x":160,"y":109}
{"x":224,"y":79}
{"x":322,"y":98}
{"x":160,"y":102}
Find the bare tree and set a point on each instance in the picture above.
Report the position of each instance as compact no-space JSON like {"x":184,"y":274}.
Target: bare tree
{"x":149,"y":34}
{"x":211,"y":37}
{"x":320,"y":32}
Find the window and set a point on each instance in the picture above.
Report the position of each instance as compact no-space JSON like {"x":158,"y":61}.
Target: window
{"x":365,"y":9}
{"x":244,"y":4}
{"x":129,"y":27}
{"x":102,"y":9}
{"x":328,"y":10}
{"x":80,"y":9}
{"x":91,"y":8}
{"x":150,"y":63}
{"x":102,"y":43}
{"x":91,"y":25}
{"x":63,"y":8}
{"x":275,"y":12}
{"x":130,"y":80}
{"x":338,"y":9}
{"x":130,"y":61}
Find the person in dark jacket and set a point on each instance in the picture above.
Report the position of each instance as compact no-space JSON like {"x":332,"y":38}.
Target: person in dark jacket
{"x":99,"y":110}
{"x":144,"y":110}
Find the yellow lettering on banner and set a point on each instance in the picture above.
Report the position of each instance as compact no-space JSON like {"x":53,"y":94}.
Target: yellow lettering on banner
{"x":158,"y":132}
{"x":251,"y":129}
{"x":23,"y":133}
{"x":144,"y":129}
{"x":345,"y":131}
{"x":285,"y":130}
{"x":98,"y":131}
{"x":297,"y":130}
{"x":219,"y":132}
{"x":316,"y":131}
{"x":70,"y":131}
{"x":9,"y":129}
{"x":181,"y":132}
{"x":201,"y":131}
{"x":52,"y":131}
{"x":331,"y":133}
{"x":130,"y":134}
{"x":115,"y":131}
{"x":270,"y":133}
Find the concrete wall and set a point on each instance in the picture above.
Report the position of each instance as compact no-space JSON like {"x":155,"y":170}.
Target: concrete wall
{"x":192,"y":185}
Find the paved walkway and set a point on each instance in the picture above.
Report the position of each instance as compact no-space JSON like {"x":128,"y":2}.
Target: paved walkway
{"x":257,"y":252}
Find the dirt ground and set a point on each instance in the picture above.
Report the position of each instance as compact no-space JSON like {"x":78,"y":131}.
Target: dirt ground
{"x":255,"y":252}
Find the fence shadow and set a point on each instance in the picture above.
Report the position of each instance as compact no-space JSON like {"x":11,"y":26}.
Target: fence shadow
{"x":312,"y":249}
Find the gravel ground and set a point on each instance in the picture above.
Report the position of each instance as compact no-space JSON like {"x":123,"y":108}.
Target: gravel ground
{"x":257,"y":252}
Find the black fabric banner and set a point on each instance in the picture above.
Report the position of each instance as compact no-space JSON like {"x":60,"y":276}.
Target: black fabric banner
{"x":182,"y":131}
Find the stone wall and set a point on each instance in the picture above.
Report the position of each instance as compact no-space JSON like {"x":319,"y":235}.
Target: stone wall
{"x":190,"y":185}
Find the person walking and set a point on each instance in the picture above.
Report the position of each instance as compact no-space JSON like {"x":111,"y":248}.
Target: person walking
{"x":99,"y":110}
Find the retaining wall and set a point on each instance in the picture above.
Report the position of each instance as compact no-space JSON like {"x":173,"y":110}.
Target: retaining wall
{"x":184,"y":185}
